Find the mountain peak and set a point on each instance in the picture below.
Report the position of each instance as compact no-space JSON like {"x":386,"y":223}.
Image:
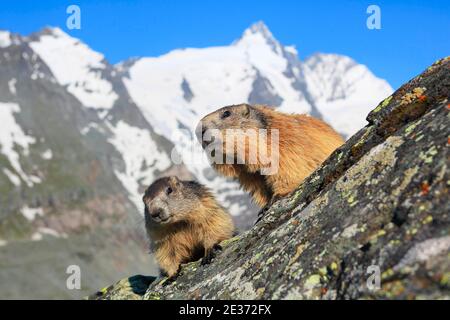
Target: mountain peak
{"x":259,"y":32}
{"x":260,"y":28}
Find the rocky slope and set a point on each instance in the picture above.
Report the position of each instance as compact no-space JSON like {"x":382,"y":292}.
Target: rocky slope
{"x":379,"y":201}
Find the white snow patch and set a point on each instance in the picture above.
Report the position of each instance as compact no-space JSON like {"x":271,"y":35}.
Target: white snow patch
{"x":291,"y":49}
{"x":31,"y":213}
{"x":11,"y":136}
{"x":37,"y":75}
{"x":47,"y":154}
{"x":12,"y":86}
{"x":91,"y":126}
{"x":15,"y":180}
{"x":141,"y":156}
{"x":39,"y":234}
{"x":5,"y":39}
{"x":74,"y":64}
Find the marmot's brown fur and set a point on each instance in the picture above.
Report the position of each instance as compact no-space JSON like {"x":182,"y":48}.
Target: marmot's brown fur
{"x":184,"y":222}
{"x":304,"y":143}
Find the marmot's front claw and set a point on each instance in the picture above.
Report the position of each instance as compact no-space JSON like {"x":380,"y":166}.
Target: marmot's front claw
{"x":210,"y":254}
{"x":172,"y":278}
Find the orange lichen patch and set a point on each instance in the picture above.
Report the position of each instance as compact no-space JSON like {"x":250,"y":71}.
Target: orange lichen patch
{"x":422,"y":98}
{"x":416,"y":94}
{"x":425,"y":188}
{"x":448,"y":106}
{"x":295,"y":221}
{"x":323,"y":291}
{"x":448,"y":141}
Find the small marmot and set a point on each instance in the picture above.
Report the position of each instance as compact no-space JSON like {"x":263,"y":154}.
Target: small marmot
{"x":304,"y":142}
{"x":184,"y":222}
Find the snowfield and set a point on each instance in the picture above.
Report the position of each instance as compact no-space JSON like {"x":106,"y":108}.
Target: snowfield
{"x":31,"y":213}
{"x":11,"y":137}
{"x":74,"y":64}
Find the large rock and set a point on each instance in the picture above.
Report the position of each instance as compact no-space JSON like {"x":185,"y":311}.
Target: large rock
{"x":380,"y":202}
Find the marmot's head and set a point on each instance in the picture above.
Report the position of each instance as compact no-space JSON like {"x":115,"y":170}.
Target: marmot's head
{"x":241,"y":116}
{"x":168,"y":200}
{"x":244,"y":119}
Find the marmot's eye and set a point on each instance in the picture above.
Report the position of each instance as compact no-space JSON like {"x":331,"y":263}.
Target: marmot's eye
{"x":225,"y":114}
{"x":169,"y":190}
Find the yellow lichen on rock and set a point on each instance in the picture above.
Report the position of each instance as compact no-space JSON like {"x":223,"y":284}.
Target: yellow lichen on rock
{"x":410,"y":97}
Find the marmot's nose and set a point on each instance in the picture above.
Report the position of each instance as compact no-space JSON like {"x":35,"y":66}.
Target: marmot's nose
{"x":156,"y":213}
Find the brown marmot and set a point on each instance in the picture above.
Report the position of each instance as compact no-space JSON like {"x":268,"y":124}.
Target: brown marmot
{"x":184,"y":222}
{"x":304,"y":142}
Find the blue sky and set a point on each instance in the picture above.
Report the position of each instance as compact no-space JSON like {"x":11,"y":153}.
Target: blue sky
{"x":414,"y":33}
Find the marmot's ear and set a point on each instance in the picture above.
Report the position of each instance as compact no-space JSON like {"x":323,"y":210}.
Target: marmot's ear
{"x":245,"y":109}
{"x":174,"y":180}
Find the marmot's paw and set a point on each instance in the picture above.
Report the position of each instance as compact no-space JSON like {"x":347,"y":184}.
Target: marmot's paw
{"x":210,"y":254}
{"x":172,"y":278}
